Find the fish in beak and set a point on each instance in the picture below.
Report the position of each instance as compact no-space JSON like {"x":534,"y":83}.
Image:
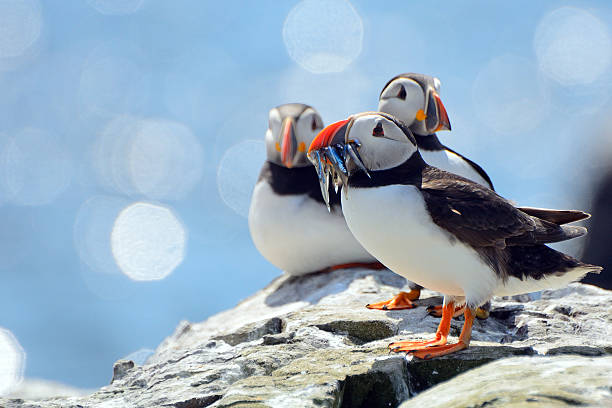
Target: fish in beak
{"x":330,"y":153}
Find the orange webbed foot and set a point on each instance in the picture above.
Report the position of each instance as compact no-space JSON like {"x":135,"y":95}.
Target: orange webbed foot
{"x":437,"y":351}
{"x":438,"y":347}
{"x":401,"y":301}
{"x":400,"y":346}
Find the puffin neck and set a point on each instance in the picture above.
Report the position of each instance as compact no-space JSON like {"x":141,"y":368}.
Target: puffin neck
{"x":429,"y":142}
{"x":286,"y":180}
{"x":295,"y":181}
{"x":409,"y":172}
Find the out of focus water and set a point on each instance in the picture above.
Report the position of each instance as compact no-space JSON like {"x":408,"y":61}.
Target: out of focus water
{"x":131,"y":134}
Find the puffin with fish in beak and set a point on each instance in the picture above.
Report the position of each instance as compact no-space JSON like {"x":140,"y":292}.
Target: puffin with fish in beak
{"x":414,"y":99}
{"x":439,"y":229}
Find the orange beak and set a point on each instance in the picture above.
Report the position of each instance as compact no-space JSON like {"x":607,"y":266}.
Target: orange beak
{"x":443,"y":121}
{"x":288,"y":142}
{"x":325,"y":137}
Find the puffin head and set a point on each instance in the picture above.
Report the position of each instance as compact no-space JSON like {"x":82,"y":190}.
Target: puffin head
{"x":368,"y":141}
{"x":291,"y":129}
{"x":414,"y":99}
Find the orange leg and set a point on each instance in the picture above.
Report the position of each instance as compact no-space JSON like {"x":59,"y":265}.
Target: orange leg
{"x":436,"y":311}
{"x":441,"y":333}
{"x":402,"y":300}
{"x":367,"y":265}
{"x":463,"y":343}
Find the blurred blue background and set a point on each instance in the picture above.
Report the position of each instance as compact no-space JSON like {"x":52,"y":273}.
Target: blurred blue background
{"x":131,"y":134}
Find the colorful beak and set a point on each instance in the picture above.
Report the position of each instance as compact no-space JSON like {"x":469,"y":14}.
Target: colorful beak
{"x":443,"y":121}
{"x":288,"y":142}
{"x":329,"y":135}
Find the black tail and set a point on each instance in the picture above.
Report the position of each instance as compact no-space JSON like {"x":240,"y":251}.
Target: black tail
{"x":546,"y":233}
{"x":558,"y":217}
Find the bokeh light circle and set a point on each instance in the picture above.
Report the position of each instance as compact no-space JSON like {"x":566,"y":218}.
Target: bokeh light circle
{"x":92,"y":230}
{"x":238,"y":172}
{"x":36,"y":168}
{"x":20,"y":26}
{"x":148,"y":241}
{"x":314,"y":90}
{"x":110,"y":154}
{"x":572,"y":46}
{"x":188,"y":97}
{"x":323,"y":35}
{"x":12,"y":362}
{"x":157,"y":158}
{"x":113,"y":81}
{"x":165,"y":159}
{"x":116,"y":7}
{"x":508,"y":95}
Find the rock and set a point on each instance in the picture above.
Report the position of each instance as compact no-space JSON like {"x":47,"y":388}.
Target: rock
{"x":526,"y":381}
{"x":252,"y":331}
{"x":121,"y":368}
{"x":309,"y":341}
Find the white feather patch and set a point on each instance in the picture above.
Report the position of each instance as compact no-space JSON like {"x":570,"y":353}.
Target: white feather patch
{"x":298,"y":235}
{"x":453,"y":163}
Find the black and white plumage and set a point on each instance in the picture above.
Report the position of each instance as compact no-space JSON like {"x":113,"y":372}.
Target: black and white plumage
{"x":287,"y":212}
{"x":414,"y":99}
{"x":441,"y":230}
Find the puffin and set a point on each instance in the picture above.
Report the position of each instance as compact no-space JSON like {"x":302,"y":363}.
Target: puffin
{"x":438,"y":229}
{"x":415,"y":100}
{"x":288,"y":212}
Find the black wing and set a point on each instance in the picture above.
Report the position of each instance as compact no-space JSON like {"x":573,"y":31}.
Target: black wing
{"x":479,"y":217}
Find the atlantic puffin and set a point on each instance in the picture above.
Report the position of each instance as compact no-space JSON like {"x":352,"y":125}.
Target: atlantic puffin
{"x":414,"y":99}
{"x":439,"y":229}
{"x":288,"y":214}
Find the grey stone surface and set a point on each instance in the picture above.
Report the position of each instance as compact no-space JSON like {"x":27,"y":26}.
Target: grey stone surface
{"x":309,"y":341}
{"x":553,"y":381}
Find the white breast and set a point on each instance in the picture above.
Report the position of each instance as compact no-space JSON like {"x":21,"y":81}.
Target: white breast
{"x":453,"y":163}
{"x":298,"y":235}
{"x":393,"y":224}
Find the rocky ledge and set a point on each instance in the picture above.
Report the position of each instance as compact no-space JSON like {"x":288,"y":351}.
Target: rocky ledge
{"x":310,"y":342}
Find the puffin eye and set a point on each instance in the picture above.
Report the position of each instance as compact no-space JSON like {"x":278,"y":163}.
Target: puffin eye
{"x":402,"y":93}
{"x":314,"y":123}
{"x":378,"y":130}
